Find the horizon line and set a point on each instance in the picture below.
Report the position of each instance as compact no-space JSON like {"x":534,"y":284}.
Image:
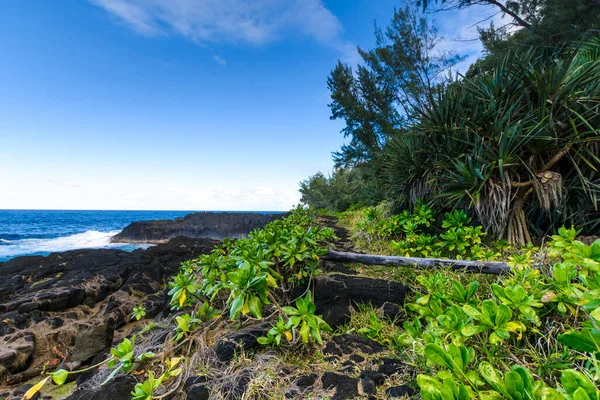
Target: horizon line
{"x":144,"y":210}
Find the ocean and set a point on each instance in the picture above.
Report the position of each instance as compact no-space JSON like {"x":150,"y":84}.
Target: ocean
{"x":41,"y":232}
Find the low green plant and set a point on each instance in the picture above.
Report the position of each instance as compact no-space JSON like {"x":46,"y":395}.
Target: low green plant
{"x":461,"y":295}
{"x":183,"y":288}
{"x":585,"y":339}
{"x":374,"y":329}
{"x":543,"y":316}
{"x":207,"y":312}
{"x":455,"y":361}
{"x":284,"y":253}
{"x":280,"y":331}
{"x":184,"y":325}
{"x":494,"y":319}
{"x":301,"y":321}
{"x":124,"y":358}
{"x":416,"y":234}
{"x":145,"y":390}
{"x":138,"y":313}
{"x":487,"y":383}
{"x":304,"y":319}
{"x":517,"y":298}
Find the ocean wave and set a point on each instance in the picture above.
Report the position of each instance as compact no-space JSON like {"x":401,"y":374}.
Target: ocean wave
{"x":85,"y":240}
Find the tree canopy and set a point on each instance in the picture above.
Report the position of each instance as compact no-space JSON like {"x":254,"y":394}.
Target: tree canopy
{"x":515,"y":141}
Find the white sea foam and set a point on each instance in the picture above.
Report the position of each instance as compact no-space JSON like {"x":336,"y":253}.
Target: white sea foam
{"x":85,"y":240}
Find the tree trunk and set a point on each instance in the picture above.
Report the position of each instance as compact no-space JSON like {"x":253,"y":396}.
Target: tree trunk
{"x":484,"y":267}
{"x":517,"y":233}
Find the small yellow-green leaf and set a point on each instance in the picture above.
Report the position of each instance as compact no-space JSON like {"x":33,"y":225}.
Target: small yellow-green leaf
{"x":35,"y":388}
{"x":60,"y":377}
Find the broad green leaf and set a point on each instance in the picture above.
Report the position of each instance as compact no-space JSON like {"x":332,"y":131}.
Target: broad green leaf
{"x":255,"y":306}
{"x":504,"y":314}
{"x":489,"y":373}
{"x":263,"y":340}
{"x":471,"y":330}
{"x":526,"y":378}
{"x":573,"y":380}
{"x":304,"y":333}
{"x":596,"y":314}
{"x":580,"y":340}
{"x":472,"y":312}
{"x":580,"y":394}
{"x":514,"y":385}
{"x":236,"y":306}
{"x":289,"y":311}
{"x":438,"y":355}
{"x":60,"y":377}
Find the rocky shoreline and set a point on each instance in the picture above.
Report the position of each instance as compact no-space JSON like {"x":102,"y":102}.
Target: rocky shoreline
{"x":68,"y":309}
{"x":210,"y":225}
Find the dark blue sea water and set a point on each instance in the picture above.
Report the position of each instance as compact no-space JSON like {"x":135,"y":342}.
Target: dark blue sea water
{"x":41,"y":232}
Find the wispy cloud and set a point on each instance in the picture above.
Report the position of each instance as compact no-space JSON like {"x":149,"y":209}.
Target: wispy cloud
{"x":219,"y":60}
{"x":214,"y":21}
{"x":459,"y":29}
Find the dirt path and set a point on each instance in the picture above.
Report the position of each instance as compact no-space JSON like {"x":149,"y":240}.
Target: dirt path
{"x":343,"y":243}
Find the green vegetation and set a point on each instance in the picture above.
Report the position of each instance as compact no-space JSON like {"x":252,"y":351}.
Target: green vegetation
{"x":245,"y":277}
{"x":138,"y":313}
{"x":530,"y":335}
{"x":514,"y":143}
{"x":420,"y":233}
{"x":540,"y":25}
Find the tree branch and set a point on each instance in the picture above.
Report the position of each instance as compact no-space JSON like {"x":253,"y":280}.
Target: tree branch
{"x":506,"y":10}
{"x":555,"y":159}
{"x":519,"y":185}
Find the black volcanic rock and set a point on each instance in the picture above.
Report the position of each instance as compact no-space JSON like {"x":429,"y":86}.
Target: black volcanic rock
{"x":243,"y":339}
{"x":345,"y":387}
{"x":74,"y":301}
{"x":117,"y":388}
{"x":336,"y":293}
{"x":211,"y":225}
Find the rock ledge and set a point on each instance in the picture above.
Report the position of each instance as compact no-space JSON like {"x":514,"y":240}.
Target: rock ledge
{"x":209,"y":225}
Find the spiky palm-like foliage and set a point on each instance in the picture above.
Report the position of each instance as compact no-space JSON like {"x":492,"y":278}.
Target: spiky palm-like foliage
{"x":519,"y":142}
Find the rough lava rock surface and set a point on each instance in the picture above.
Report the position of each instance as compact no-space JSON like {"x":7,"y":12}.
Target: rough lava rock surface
{"x":336,"y":293}
{"x":65,"y":308}
{"x":211,"y":225}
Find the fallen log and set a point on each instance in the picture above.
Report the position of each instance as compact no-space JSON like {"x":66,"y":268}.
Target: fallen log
{"x":483,"y":267}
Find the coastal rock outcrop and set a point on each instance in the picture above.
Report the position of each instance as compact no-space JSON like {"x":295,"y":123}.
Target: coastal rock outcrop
{"x":211,"y":225}
{"x":66,"y":308}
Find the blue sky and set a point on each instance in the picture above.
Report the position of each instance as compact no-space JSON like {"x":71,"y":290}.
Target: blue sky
{"x":177,"y":104}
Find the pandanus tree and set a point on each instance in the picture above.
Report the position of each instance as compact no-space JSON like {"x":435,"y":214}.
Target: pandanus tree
{"x":512,"y":144}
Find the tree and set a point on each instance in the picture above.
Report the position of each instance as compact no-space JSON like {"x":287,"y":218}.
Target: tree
{"x":344,"y":188}
{"x":378,"y":100}
{"x":539,"y":25}
{"x":523,"y":13}
{"x":520,"y":139}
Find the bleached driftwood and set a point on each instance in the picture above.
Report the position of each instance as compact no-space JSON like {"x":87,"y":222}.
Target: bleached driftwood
{"x":483,"y":267}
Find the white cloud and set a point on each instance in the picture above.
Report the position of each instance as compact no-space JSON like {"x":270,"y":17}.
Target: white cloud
{"x":219,"y":60}
{"x":459,"y":29}
{"x":28,"y":190}
{"x":214,"y":21}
